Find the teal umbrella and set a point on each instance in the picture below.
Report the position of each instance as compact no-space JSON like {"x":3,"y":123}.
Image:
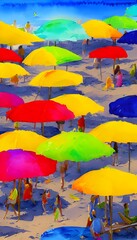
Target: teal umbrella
{"x":131,"y":11}
{"x":74,"y":146}
{"x":61,"y":30}
{"x":121,"y":22}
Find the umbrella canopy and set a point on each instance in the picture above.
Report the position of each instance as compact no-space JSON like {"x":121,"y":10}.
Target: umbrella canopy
{"x":100,"y":29}
{"x":19,"y":164}
{"x":121,"y":22}
{"x":7,"y":55}
{"x":51,"y":56}
{"x":129,"y":37}
{"x":9,"y":100}
{"x":56,"y":78}
{"x":131,"y":11}
{"x":73,"y":101}
{"x":117,"y":131}
{"x":20,"y":139}
{"x":74,"y":146}
{"x":61,"y":30}
{"x":11,"y":35}
{"x":124,"y":107}
{"x":106,"y":182}
{"x":40,"y":111}
{"x":113,"y":52}
{"x":8,"y":70}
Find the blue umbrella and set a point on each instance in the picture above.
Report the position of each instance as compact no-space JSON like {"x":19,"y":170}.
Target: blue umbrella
{"x":129,"y":37}
{"x":124,"y":107}
{"x":131,"y":11}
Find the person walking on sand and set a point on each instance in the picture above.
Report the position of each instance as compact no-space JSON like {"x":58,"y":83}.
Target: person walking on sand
{"x":44,"y":201}
{"x":84,"y":46}
{"x":62,"y":175}
{"x":115,"y":154}
{"x":27,"y":194}
{"x":11,"y":200}
{"x":57,"y":208}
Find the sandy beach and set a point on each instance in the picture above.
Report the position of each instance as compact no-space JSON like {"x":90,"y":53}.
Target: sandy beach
{"x":33,"y":223}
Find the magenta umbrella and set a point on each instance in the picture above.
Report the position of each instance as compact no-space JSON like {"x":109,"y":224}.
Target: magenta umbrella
{"x":9,"y":100}
{"x":19,"y":164}
{"x":7,"y":55}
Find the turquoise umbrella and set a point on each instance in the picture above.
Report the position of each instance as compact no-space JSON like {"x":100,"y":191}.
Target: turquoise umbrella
{"x":131,"y":11}
{"x":61,"y":30}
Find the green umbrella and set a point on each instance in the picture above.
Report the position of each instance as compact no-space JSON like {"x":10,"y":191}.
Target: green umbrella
{"x":121,"y":22}
{"x":61,"y":30}
{"x":74,"y":146}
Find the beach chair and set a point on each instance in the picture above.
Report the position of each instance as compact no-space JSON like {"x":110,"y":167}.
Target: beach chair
{"x":127,"y":220}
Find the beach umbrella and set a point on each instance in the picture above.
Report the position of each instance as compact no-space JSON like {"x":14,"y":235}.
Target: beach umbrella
{"x":73,"y":101}
{"x":9,"y":100}
{"x":40,"y":111}
{"x":20,"y":139}
{"x":74,"y":146}
{"x":50,"y":56}
{"x":131,"y":11}
{"x":61,"y":30}
{"x":7,"y":55}
{"x":129,"y":37}
{"x":121,"y":22}
{"x":19,"y":164}
{"x":112,"y":52}
{"x":106,"y":182}
{"x":8,"y":70}
{"x":99,"y":29}
{"x":116,"y":131}
{"x":11,"y":35}
{"x":56,"y":78}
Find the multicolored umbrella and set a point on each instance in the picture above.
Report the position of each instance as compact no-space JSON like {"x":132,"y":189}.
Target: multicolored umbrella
{"x":116,"y":131}
{"x":99,"y":29}
{"x":7,"y":55}
{"x":40,"y":111}
{"x":8,"y":70}
{"x":129,"y":37}
{"x":61,"y":30}
{"x":121,"y":22}
{"x":9,"y":100}
{"x":124,"y":107}
{"x":73,"y":101}
{"x":131,"y":11}
{"x":11,"y":35}
{"x":74,"y":146}
{"x":51,"y":56}
{"x":20,"y":139}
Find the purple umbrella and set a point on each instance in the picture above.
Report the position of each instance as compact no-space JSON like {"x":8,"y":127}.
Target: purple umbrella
{"x":9,"y":100}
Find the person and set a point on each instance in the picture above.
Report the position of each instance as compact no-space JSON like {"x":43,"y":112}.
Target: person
{"x":119,"y":76}
{"x":57,"y":208}
{"x":12,"y":199}
{"x":126,"y":213}
{"x":114,"y":41}
{"x":14,"y":23}
{"x":21,"y":52}
{"x":44,"y":201}
{"x":109,"y":84}
{"x":62,"y":175}
{"x":97,"y":227}
{"x":27,"y":194}
{"x":28,"y":27}
{"x":97,"y":62}
{"x":15,"y":80}
{"x":81,"y":124}
{"x":16,"y":125}
{"x":84,"y":43}
{"x":115,"y":154}
{"x":60,"y":125}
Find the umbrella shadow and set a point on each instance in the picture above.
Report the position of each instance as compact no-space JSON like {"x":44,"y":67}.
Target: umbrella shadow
{"x":6,"y":231}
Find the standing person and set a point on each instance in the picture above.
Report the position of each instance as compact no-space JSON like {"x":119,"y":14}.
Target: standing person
{"x":44,"y":201}
{"x":57,"y":208}
{"x":119,"y":76}
{"x":62,"y":175}
{"x":27,"y":194}
{"x":15,"y":80}
{"x":84,"y":44}
{"x":97,"y":227}
{"x":115,"y":154}
{"x":28,"y":27}
{"x":12,"y":199}
{"x":60,"y":125}
{"x":81,"y":124}
{"x":21,"y":52}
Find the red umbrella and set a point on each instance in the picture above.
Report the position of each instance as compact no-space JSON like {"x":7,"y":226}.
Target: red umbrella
{"x":113,"y":52}
{"x":7,"y":55}
{"x":9,"y":100}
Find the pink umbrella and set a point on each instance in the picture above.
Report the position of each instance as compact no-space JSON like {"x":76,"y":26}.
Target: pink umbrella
{"x":9,"y":100}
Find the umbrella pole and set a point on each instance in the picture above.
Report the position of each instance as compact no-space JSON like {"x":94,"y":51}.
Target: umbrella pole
{"x":42,"y":128}
{"x":110,"y":211}
{"x":129,"y":157}
{"x":66,"y":67}
{"x":106,"y":217}
{"x":49,"y":92}
{"x":19,"y":192}
{"x":114,"y":63}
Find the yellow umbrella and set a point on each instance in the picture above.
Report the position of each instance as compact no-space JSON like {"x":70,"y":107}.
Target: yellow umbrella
{"x":8,"y":70}
{"x":11,"y":35}
{"x":79,"y":104}
{"x":20,"y":139}
{"x":117,"y":131}
{"x":107,"y":182}
{"x":100,"y":29}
